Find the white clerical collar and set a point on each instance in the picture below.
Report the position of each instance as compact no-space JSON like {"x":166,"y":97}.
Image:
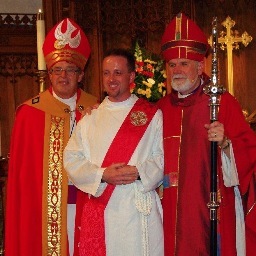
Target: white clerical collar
{"x":71,"y":102}
{"x":182,"y":96}
{"x":126,"y":102}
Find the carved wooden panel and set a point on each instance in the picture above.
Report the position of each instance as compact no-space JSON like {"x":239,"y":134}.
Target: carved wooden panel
{"x":17,"y":65}
{"x":119,"y":23}
{"x":116,"y":24}
{"x":17,"y":33}
{"x":243,"y":13}
{"x":18,"y":82}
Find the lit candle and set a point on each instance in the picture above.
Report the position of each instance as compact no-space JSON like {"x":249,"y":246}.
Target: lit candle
{"x":40,"y":27}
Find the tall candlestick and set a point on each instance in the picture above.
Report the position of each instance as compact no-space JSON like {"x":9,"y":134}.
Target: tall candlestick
{"x":40,"y":26}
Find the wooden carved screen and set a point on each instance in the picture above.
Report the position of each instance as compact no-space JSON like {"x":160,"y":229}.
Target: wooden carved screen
{"x":120,"y":23}
{"x":110,"y":24}
{"x":18,"y":67}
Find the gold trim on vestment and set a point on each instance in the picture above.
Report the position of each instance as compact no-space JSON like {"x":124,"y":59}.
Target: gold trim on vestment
{"x":178,"y":187}
{"x":178,"y":28}
{"x":54,"y":112}
{"x":54,"y":196}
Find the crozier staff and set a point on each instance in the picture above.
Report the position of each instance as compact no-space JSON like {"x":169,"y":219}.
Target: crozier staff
{"x":214,"y":90}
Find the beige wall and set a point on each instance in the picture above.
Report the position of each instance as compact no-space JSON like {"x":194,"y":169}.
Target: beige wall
{"x":20,"y":6}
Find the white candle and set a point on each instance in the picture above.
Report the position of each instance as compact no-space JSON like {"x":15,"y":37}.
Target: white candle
{"x":40,"y":27}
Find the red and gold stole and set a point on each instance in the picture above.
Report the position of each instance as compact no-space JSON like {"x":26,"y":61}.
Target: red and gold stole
{"x":92,"y":238}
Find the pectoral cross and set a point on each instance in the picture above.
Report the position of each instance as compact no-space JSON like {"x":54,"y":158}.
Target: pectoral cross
{"x":230,"y":40}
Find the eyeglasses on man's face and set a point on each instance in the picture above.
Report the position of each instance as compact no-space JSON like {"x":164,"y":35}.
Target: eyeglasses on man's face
{"x":69,"y":71}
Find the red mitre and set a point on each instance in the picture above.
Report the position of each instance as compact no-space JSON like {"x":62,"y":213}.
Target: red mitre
{"x":184,"y":39}
{"x":66,"y":42}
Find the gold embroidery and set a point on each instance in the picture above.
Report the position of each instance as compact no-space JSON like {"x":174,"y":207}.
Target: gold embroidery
{"x":178,"y":28}
{"x":138,"y":118}
{"x":59,"y":44}
{"x":173,"y":136}
{"x":54,"y":218}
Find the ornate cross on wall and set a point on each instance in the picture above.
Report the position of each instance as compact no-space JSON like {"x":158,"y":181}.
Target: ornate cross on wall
{"x":230,"y":40}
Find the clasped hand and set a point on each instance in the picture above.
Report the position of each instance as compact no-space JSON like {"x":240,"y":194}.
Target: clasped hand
{"x":120,"y":174}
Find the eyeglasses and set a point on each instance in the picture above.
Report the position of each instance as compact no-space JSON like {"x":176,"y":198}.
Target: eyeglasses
{"x":69,"y":71}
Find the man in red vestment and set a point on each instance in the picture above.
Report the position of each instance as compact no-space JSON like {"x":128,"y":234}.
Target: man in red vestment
{"x":187,"y":133}
{"x":40,"y":211}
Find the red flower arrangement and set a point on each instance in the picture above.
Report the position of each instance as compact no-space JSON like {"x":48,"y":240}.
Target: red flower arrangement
{"x":150,"y":79}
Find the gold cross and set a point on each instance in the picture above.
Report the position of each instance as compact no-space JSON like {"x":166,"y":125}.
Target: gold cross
{"x":230,"y":40}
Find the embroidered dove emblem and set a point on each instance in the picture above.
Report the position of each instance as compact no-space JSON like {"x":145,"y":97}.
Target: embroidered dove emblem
{"x":63,"y":39}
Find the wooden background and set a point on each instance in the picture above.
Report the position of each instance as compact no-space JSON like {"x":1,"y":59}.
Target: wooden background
{"x":116,"y":23}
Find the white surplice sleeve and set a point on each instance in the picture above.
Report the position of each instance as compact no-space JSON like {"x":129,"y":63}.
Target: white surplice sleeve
{"x":151,"y":169}
{"x":229,"y":169}
{"x":230,"y":176}
{"x":82,"y":173}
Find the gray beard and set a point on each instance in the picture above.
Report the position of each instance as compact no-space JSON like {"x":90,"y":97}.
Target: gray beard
{"x":181,"y":88}
{"x":187,"y":87}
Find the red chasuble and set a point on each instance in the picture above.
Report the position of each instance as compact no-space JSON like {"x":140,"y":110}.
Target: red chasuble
{"x":187,"y":173}
{"x":36,"y":214}
{"x":92,"y":240}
